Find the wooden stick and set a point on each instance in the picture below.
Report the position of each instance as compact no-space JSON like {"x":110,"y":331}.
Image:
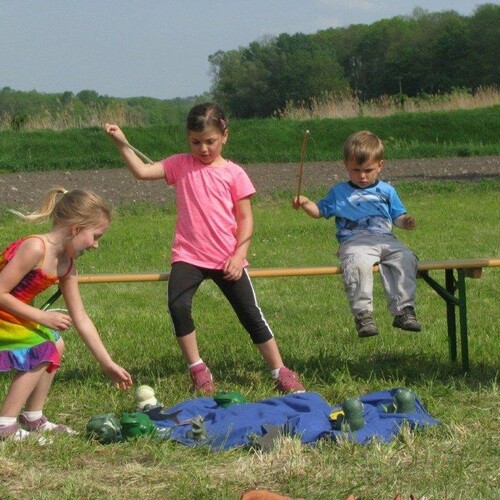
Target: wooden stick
{"x":301,"y":166}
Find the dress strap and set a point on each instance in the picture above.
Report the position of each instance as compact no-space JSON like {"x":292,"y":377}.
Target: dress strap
{"x":69,"y":269}
{"x":40,"y":264}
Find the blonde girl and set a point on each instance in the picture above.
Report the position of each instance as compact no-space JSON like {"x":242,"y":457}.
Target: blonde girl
{"x":29,"y":339}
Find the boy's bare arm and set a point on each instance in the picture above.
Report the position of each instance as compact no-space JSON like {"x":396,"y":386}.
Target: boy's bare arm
{"x":309,"y":206}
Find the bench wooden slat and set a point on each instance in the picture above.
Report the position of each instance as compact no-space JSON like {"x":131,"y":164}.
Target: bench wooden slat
{"x":473,"y":266}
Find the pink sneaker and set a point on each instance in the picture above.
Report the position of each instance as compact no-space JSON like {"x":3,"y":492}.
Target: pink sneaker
{"x":43,"y":425}
{"x":13,"y":432}
{"x":288,"y":381}
{"x":202,"y":379}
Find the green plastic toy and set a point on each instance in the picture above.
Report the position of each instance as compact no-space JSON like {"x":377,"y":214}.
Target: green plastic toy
{"x":404,"y":401}
{"x":198,"y":430}
{"x":353,"y":414}
{"x":104,"y":428}
{"x":135,"y":425}
{"x":229,"y":398}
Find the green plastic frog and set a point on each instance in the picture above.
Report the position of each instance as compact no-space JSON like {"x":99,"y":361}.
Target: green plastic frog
{"x":353,"y":414}
{"x":136,"y":424}
{"x":229,"y":398}
{"x":104,"y":428}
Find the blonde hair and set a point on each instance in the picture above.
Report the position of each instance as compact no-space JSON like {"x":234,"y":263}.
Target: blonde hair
{"x":363,"y":146}
{"x":77,"y":207}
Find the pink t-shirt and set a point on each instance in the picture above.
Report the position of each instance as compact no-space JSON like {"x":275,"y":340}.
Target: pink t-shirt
{"x":205,"y":232}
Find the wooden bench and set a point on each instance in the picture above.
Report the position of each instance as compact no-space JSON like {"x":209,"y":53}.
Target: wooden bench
{"x":453,"y":291}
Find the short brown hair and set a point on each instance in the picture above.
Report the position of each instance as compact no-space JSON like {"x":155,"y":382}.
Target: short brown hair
{"x":363,"y":146}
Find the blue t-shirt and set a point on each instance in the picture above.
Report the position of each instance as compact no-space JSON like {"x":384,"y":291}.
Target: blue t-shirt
{"x":369,"y":210}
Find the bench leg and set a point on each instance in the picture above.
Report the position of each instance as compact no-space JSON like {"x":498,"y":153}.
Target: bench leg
{"x":462,"y":305}
{"x":450,"y":315}
{"x":460,"y":301}
{"x":51,"y":299}
{"x":453,"y":285}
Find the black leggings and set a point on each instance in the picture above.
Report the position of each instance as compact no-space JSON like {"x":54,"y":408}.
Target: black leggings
{"x":185,"y":279}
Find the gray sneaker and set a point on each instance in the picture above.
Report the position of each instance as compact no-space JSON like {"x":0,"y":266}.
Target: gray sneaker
{"x":407,"y":320}
{"x":365,"y":325}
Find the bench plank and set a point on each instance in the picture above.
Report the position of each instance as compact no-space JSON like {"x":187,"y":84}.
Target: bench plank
{"x":453,"y":292}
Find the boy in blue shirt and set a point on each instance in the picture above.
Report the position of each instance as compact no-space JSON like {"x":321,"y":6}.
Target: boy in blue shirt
{"x":365,"y":210}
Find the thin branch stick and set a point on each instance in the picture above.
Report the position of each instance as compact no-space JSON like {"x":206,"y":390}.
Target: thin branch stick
{"x":141,"y":155}
{"x":137,"y":152}
{"x":301,"y":166}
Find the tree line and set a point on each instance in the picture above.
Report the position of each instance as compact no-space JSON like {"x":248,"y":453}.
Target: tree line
{"x":31,"y":110}
{"x":422,"y":54}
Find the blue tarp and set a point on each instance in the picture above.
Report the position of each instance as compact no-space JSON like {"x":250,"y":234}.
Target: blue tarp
{"x":305,"y":415}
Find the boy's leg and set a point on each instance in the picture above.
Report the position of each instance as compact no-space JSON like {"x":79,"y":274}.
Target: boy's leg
{"x":398,"y":272}
{"x":357,"y":256}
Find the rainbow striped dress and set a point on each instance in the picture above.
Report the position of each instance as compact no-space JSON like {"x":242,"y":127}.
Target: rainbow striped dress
{"x":25,"y":344}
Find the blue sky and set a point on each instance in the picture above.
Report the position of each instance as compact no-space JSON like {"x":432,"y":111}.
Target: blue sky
{"x":160,"y":48}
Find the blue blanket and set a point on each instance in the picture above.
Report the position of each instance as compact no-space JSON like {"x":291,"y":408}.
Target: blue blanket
{"x":305,"y":415}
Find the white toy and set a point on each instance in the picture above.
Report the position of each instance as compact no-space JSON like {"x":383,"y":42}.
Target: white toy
{"x":145,"y":395}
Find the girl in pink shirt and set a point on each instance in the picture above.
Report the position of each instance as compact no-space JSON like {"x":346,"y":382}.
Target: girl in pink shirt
{"x":212,"y":237}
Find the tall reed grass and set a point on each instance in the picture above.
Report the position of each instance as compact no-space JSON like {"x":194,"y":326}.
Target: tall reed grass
{"x":341,"y":105}
{"x":71,"y":116}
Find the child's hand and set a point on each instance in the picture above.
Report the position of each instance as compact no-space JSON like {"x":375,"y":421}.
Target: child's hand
{"x":115,"y":134}
{"x":233,"y":269}
{"x":57,"y":320}
{"x":120,"y":376}
{"x":297,"y":202}
{"x":408,"y":222}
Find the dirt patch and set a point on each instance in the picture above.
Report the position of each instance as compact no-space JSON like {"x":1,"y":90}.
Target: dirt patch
{"x":25,"y":190}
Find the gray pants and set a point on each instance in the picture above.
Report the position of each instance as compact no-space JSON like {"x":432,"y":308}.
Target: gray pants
{"x":398,"y":271}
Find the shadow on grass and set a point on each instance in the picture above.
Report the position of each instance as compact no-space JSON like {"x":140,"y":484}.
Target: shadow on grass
{"x":406,"y":367}
{"x":325,"y":369}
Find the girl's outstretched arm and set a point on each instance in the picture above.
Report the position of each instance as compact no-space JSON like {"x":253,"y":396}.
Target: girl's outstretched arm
{"x":88,"y":332}
{"x":139,"y":169}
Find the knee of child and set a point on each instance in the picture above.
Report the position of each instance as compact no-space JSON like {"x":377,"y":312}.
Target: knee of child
{"x":60,"y":345}
{"x":179,"y":308}
{"x":353,"y":267}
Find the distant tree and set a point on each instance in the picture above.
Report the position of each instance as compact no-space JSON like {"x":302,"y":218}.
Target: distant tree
{"x":88,"y":96}
{"x":257,"y":80}
{"x":483,"y":65}
{"x":424,"y":53}
{"x":66,"y":98}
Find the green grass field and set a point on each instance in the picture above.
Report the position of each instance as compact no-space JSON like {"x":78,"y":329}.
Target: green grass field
{"x":315,"y":332}
{"x":406,"y":135}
